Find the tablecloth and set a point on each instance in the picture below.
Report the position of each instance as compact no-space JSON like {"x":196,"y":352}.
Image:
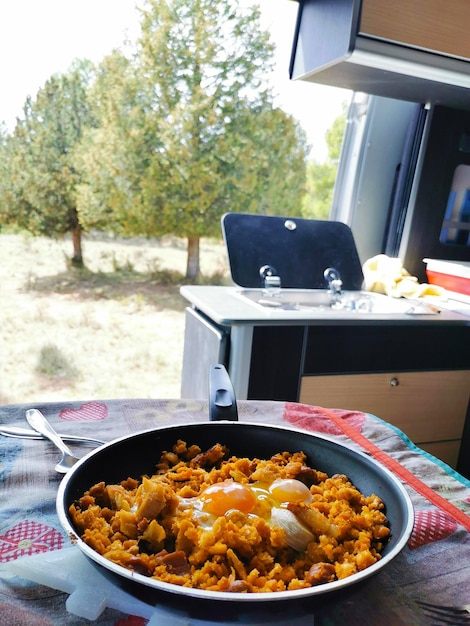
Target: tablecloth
{"x":435,"y":565}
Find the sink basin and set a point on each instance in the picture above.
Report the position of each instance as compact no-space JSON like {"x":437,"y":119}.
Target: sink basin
{"x":321,"y":300}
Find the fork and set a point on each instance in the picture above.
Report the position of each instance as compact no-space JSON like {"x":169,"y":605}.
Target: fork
{"x":447,"y":614}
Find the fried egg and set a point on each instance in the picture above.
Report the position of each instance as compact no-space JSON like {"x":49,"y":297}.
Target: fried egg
{"x":258,"y":499}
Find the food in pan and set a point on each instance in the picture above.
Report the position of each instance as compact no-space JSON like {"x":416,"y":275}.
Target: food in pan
{"x":209,"y":520}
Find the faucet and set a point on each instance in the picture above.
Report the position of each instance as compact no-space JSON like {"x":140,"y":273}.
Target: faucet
{"x":271,"y":282}
{"x":335,"y":285}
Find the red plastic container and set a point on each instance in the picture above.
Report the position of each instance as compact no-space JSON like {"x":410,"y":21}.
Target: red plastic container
{"x":451,"y":275}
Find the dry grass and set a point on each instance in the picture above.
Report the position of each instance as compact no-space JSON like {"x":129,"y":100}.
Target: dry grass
{"x":113,"y":330}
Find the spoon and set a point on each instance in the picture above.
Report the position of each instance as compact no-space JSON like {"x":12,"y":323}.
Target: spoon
{"x":37,"y":421}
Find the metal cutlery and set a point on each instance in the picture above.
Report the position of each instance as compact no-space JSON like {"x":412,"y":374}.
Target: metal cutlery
{"x":37,"y":421}
{"x":27,"y":433}
{"x":421,"y":307}
{"x":457,"y":615}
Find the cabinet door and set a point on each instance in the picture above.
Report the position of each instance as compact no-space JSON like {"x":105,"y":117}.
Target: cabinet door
{"x":436,"y":25}
{"x":429,"y":407}
{"x":205,"y":344}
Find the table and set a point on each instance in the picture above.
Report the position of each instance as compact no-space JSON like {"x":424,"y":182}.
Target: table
{"x":435,"y":565}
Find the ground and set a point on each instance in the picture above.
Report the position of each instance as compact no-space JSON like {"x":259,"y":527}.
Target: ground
{"x":113,"y":330}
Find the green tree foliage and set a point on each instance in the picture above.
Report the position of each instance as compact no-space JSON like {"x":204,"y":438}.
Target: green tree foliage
{"x":187,"y":128}
{"x":4,"y":167}
{"x":321,"y":176}
{"x":113,"y":156}
{"x":163,"y":137}
{"x":39,"y":178}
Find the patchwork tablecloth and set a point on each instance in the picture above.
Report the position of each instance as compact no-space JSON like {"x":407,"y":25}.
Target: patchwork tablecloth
{"x":435,"y":566}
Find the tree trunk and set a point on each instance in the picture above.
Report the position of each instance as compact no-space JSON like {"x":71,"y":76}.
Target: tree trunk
{"x":77,"y":259}
{"x":192,"y":266}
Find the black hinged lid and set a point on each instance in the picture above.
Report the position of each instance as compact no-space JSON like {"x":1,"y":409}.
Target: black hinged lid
{"x":299,"y":249}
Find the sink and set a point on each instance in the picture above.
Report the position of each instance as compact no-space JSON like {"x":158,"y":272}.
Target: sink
{"x":321,"y":300}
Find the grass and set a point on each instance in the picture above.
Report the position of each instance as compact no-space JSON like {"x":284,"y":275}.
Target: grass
{"x":112,"y":330}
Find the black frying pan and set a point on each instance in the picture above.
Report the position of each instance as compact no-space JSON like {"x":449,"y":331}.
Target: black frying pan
{"x":136,"y":455}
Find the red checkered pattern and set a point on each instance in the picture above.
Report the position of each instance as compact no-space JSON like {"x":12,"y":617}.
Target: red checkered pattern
{"x":431,"y":526}
{"x":131,"y":620}
{"x":91,"y":411}
{"x":314,"y":419}
{"x":28,"y":537}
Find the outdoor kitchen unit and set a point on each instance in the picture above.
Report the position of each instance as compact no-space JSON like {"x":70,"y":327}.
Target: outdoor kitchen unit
{"x":402,"y":363}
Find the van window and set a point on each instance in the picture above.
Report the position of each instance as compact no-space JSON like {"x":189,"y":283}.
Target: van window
{"x":456,"y":225}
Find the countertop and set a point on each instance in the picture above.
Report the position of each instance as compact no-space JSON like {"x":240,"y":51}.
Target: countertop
{"x":433,"y":567}
{"x":226,"y":306}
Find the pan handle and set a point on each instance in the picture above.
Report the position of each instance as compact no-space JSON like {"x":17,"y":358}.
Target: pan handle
{"x":222,"y":402}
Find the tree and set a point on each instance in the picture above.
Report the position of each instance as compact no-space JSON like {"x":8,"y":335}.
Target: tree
{"x":4,"y":169}
{"x":41,"y":179}
{"x":321,"y":176}
{"x":113,"y":155}
{"x":193,"y":129}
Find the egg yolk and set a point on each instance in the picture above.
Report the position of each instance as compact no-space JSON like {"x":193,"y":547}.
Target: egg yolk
{"x":290,"y":490}
{"x":221,"y":497}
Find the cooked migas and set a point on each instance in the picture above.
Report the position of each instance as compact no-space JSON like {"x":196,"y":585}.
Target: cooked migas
{"x":212,"y":521}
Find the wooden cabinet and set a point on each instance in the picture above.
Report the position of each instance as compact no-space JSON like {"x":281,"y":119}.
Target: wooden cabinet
{"x":437,"y":26}
{"x":429,"y":407}
{"x":417,"y":51}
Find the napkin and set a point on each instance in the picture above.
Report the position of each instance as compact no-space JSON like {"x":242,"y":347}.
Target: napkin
{"x":386,"y":275}
{"x":90,"y":593}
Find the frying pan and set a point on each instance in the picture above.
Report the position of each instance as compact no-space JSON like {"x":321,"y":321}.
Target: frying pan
{"x":135,"y":455}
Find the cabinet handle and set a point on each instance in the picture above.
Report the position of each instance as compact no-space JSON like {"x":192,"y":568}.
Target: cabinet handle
{"x":394,"y":382}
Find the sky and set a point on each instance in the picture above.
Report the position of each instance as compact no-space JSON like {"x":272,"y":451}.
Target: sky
{"x":39,"y":38}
